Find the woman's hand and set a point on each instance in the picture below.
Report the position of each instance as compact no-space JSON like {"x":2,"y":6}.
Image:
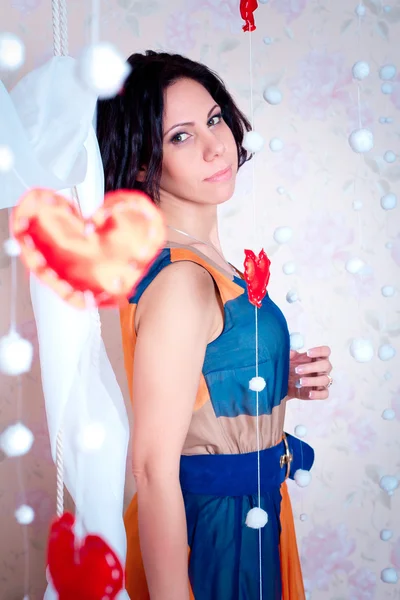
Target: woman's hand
{"x":315,"y":367}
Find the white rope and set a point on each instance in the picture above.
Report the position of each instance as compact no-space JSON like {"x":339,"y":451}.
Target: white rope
{"x":60,"y":27}
{"x":60,"y":473}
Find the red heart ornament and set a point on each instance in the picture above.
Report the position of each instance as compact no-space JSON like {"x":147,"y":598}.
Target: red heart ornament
{"x":89,"y":262}
{"x":256,"y":274}
{"x":247,"y":8}
{"x":85,"y":569}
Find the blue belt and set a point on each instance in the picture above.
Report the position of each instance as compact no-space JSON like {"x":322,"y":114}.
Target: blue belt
{"x":236,"y":474}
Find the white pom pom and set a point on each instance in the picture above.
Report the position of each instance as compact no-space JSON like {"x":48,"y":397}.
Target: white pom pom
{"x":387,"y":375}
{"x":252,"y":141}
{"x":388,"y":414}
{"x":386,"y":352}
{"x":6,"y":159}
{"x":386,"y":535}
{"x":360,"y":10}
{"x":91,"y":437}
{"x":300,"y":431}
{"x":283,"y":234}
{"x":15,"y":354}
{"x":296,"y":341}
{"x":361,"y":70}
{"x":386,"y":88}
{"x":354,"y":265}
{"x":303,"y":517}
{"x":257,"y":384}
{"x":16,"y":440}
{"x":357,"y":204}
{"x":276,"y":145}
{"x":102,"y":69}
{"x":387,"y":291}
{"x":12,"y":52}
{"x":389,"y":201}
{"x":256,"y":518}
{"x":292,"y":296}
{"x":389,"y":156}
{"x":389,"y":575}
{"x":24,"y":514}
{"x":361,"y":140}
{"x":302,"y":477}
{"x":289,"y":267}
{"x":267,"y":40}
{"x":387,"y":72}
{"x":362,"y":350}
{"x":272,"y":95}
{"x":281,"y":190}
{"x":11,"y":247}
{"x":389,"y":483}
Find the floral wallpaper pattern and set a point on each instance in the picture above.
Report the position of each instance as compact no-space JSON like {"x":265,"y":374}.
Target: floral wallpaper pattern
{"x":330,"y":197}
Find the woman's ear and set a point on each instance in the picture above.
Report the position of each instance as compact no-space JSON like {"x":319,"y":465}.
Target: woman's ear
{"x":141,"y":175}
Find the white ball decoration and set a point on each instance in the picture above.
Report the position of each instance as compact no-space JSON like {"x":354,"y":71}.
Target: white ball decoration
{"x":387,"y":72}
{"x":360,"y":10}
{"x":389,"y":483}
{"x":256,"y":518}
{"x":91,"y":437}
{"x":387,"y":8}
{"x":354,"y":265}
{"x":16,"y":354}
{"x":252,"y":141}
{"x":387,"y":291}
{"x":388,"y":414}
{"x":296,"y":341}
{"x":283,"y":234}
{"x":24,"y":514}
{"x":389,"y":575}
{"x":272,"y":95}
{"x":389,"y":201}
{"x":386,"y":535}
{"x":281,"y":190}
{"x":16,"y":440}
{"x":387,"y":88}
{"x":102,"y":69}
{"x":361,"y":350}
{"x":12,"y":247}
{"x":387,"y":375}
{"x":303,"y":517}
{"x":6,"y":159}
{"x":357,"y":204}
{"x":12,"y":52}
{"x":389,"y":245}
{"x":302,"y":477}
{"x":267,"y":40}
{"x":276,"y":145}
{"x":386,"y":352}
{"x":389,"y":156}
{"x":289,"y":267}
{"x":300,"y":431}
{"x":292,"y":296}
{"x":257,"y":384}
{"x":361,"y":70}
{"x":361,"y":140}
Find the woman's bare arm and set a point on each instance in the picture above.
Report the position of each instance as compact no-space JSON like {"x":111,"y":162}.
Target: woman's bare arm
{"x":177,"y":313}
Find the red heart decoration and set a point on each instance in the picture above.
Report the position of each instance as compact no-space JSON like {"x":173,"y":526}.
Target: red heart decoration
{"x":256,"y":274}
{"x":88,"y":262}
{"x":247,"y":8}
{"x":82,"y":570}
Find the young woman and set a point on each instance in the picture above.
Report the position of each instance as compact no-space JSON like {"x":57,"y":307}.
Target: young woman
{"x":189,"y":345}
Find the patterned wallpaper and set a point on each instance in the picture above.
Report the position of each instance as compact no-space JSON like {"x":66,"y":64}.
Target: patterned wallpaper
{"x":308,"y":179}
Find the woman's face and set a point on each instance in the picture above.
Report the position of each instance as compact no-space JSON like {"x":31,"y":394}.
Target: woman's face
{"x":200,"y":159}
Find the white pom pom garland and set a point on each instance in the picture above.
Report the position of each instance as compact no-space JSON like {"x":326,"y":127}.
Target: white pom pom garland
{"x":253,"y":142}
{"x":16,"y":440}
{"x":257,"y":384}
{"x":302,"y":477}
{"x":256,"y":518}
{"x":16,"y":354}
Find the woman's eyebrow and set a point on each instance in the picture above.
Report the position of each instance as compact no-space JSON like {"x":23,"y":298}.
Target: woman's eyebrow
{"x":191,"y":123}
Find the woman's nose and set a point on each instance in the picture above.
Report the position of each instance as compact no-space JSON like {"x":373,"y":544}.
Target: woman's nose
{"x":214,"y":146}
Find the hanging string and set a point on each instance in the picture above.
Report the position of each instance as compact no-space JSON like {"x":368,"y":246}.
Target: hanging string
{"x":255,"y":237}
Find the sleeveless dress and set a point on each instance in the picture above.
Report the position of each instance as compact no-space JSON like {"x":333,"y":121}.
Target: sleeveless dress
{"x":219,"y":469}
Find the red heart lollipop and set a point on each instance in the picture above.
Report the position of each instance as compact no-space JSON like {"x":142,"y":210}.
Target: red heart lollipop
{"x":256,"y":274}
{"x":85,"y":569}
{"x":95,"y":261}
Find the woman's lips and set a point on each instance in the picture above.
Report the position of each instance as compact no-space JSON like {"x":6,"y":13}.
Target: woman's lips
{"x":224,"y":175}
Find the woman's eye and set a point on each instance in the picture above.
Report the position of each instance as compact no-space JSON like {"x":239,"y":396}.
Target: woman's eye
{"x":215,"y":119}
{"x":179,"y":138}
